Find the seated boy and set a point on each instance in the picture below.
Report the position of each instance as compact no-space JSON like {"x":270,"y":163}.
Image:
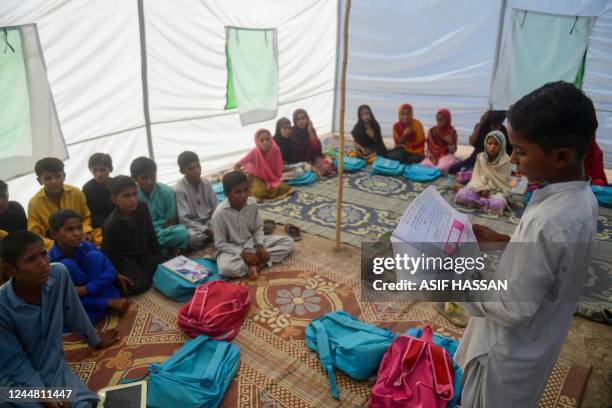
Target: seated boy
{"x":195,"y":200}
{"x":238,"y":231}
{"x":54,"y":196}
{"x":129,"y":237}
{"x":34,"y":306}
{"x":96,"y":192}
{"x":160,"y":198}
{"x":12,"y":215}
{"x":90,"y":270}
{"x":512,"y":341}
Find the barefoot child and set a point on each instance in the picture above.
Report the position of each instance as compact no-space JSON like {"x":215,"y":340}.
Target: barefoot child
{"x":90,"y":270}
{"x":239,"y":236}
{"x":97,"y":193}
{"x":195,"y":200}
{"x":34,"y":306}
{"x":512,"y":341}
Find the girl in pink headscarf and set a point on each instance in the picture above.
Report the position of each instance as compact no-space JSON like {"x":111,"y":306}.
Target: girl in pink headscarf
{"x":264,"y":165}
{"x":441,"y":143}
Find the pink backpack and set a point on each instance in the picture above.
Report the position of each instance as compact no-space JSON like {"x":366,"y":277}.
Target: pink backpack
{"x":414,"y":373}
{"x":216,"y":309}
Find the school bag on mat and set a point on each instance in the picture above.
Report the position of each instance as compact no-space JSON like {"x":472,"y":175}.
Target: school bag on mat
{"x":450,"y":345}
{"x":217,"y":309}
{"x":197,"y":375}
{"x":421,"y":174}
{"x":305,"y":179}
{"x":348,"y":344}
{"x":603,"y":195}
{"x":387,"y":167}
{"x":218,"y":189}
{"x":414,"y":373}
{"x":178,"y":288}
{"x":351,"y":164}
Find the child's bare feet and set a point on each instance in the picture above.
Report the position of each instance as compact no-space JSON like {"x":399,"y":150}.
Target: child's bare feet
{"x":252,"y":272}
{"x":119,"y":306}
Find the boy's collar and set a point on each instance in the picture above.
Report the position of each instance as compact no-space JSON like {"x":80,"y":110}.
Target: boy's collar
{"x":554,"y":188}
{"x":15,"y":301}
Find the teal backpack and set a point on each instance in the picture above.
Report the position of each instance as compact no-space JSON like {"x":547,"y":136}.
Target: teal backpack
{"x":603,"y":195}
{"x":197,"y":375}
{"x":218,"y":189}
{"x":387,"y":167}
{"x":351,"y":164}
{"x":422,"y":174}
{"x":178,"y":288}
{"x":348,"y":344}
{"x":303,"y":180}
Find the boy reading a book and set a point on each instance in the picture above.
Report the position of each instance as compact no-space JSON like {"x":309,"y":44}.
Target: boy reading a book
{"x":34,"y":306}
{"x":90,"y":270}
{"x":129,"y":236}
{"x":513,"y":339}
{"x":238,"y":231}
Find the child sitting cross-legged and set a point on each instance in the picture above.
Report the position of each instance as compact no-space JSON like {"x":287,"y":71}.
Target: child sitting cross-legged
{"x":90,"y":270}
{"x":34,"y":306}
{"x":238,"y":231}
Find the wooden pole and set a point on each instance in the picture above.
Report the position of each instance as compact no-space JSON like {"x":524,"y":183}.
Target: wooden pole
{"x":347,"y":11}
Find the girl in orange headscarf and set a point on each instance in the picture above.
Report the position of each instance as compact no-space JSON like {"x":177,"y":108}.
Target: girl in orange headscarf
{"x":441,"y":143}
{"x":409,"y":137}
{"x":264,"y":164}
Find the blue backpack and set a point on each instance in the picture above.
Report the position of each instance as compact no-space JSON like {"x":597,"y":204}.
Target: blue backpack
{"x":387,"y":167}
{"x":178,"y":288}
{"x":422,"y":174}
{"x":354,"y":347}
{"x":218,"y":189}
{"x":603,"y":195}
{"x":351,"y":164}
{"x":197,"y":375}
{"x":305,"y":179}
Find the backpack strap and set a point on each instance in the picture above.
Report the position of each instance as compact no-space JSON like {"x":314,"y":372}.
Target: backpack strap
{"x":324,"y":349}
{"x":443,"y":373}
{"x":403,"y":366}
{"x":348,"y":321}
{"x":216,"y":360}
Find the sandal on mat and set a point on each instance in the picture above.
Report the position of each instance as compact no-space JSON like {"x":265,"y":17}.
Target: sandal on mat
{"x":293,"y":231}
{"x":454,"y":312}
{"x":268,"y":226}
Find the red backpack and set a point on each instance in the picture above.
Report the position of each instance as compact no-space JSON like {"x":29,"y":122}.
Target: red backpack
{"x":217,"y":309}
{"x":414,"y":373}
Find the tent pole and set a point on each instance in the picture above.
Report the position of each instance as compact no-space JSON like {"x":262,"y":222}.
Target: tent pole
{"x":500,"y":31}
{"x":347,"y":10}
{"x":145,"y":81}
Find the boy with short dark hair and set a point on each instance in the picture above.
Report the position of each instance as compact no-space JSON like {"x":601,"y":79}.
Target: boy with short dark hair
{"x":34,"y":306}
{"x":97,"y":193}
{"x":238,"y":231}
{"x":161,"y":201}
{"x":129,"y":236}
{"x":12,"y":215}
{"x":53,"y":196}
{"x":90,"y":270}
{"x":195,"y":200}
{"x":513,"y":339}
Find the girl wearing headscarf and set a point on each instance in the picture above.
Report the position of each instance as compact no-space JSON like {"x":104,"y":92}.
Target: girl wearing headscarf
{"x":441,"y":143}
{"x":306,"y":146}
{"x":489,"y":121}
{"x":490,"y":183}
{"x":282,"y":137}
{"x":409,"y":137}
{"x":367,"y":136}
{"x":264,"y":164}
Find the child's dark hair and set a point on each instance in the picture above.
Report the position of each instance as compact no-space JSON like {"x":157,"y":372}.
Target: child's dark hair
{"x":13,"y":245}
{"x":119,"y":183}
{"x":49,"y":164}
{"x":186,"y":158}
{"x":233,"y":179}
{"x":3,"y":189}
{"x":100,"y":159}
{"x":142,"y":165}
{"x":497,"y":117}
{"x":555,"y":115}
{"x":58,"y":219}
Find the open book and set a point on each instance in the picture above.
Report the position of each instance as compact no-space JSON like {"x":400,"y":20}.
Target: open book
{"x":186,"y":268}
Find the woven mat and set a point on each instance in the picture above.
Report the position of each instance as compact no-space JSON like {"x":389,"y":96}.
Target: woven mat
{"x":276,"y":369}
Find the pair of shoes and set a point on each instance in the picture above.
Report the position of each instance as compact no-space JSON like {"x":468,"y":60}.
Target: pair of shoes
{"x":454,"y":312}
{"x":293,"y":231}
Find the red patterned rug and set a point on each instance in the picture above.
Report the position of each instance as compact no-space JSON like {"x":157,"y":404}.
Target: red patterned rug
{"x":276,"y":369}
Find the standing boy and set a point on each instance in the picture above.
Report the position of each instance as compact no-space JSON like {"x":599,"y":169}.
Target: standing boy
{"x":34,"y":306}
{"x":129,"y":237}
{"x":54,"y":196}
{"x":238,"y":231}
{"x":90,"y":270}
{"x":513,"y":340}
{"x":195,"y":200}
{"x":12,"y":216}
{"x":160,"y":199}
{"x":97,"y":193}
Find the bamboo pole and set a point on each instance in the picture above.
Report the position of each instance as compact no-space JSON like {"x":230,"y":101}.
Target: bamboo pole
{"x":347,"y":11}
